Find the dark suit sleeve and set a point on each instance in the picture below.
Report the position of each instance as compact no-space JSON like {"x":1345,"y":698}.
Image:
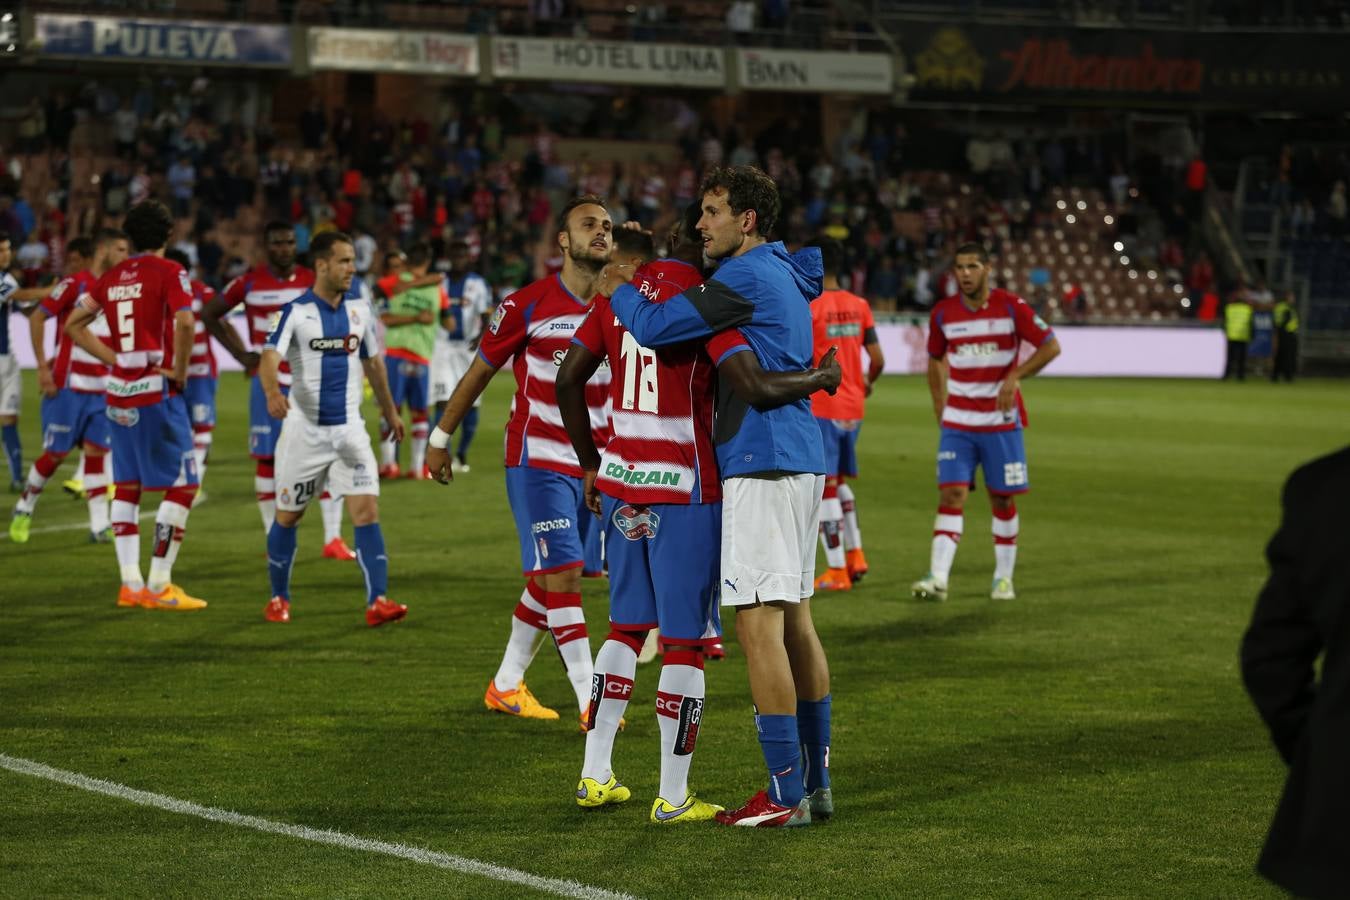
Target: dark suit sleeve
{"x":1283,"y":641}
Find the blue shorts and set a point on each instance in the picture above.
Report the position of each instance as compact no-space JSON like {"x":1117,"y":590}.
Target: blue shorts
{"x":152,"y":445}
{"x":552,"y":520}
{"x":263,"y":430}
{"x":664,"y":562}
{"x":840,"y":437}
{"x":71,"y":418}
{"x":999,"y":453}
{"x":200,"y":394}
{"x":409,"y":382}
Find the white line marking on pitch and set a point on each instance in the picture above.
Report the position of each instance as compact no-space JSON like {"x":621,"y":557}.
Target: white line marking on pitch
{"x":74,"y":526}
{"x":463,"y":864}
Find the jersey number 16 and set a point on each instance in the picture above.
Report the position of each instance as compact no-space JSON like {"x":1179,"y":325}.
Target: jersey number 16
{"x":639,"y":375}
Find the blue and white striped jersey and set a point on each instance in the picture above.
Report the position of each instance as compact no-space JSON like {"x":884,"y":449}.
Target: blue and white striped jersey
{"x":7,"y":288}
{"x":324,"y":346}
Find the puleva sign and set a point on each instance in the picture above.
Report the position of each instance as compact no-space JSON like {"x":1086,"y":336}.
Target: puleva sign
{"x":199,"y":43}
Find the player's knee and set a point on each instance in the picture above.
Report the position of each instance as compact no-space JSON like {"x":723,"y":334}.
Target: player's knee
{"x":1001,"y":502}
{"x":289,"y":518}
{"x":953,"y":496}
{"x":364,"y":509}
{"x":9,"y":420}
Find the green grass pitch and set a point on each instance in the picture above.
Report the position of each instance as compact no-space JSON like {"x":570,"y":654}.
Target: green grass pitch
{"x":1089,"y":739}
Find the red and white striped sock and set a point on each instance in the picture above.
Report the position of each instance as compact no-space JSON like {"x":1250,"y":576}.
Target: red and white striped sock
{"x":126,"y":523}
{"x":96,"y":491}
{"x":679,"y":712}
{"x":170,"y":522}
{"x":831,"y":529}
{"x":201,"y":450}
{"x":529,"y":624}
{"x":852,"y":533}
{"x":611,"y":689}
{"x":43,"y":469}
{"x":1005,"y":541}
{"x":567,"y":623}
{"x":420,"y":430}
{"x":265,"y":488}
{"x":947,"y":530}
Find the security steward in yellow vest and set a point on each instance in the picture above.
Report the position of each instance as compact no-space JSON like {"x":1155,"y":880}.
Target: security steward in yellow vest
{"x":1286,"y":338}
{"x":1237,"y":326}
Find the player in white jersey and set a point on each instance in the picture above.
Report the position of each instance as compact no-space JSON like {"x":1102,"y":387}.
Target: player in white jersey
{"x":328,"y":339}
{"x":457,"y":342}
{"x":11,"y":382}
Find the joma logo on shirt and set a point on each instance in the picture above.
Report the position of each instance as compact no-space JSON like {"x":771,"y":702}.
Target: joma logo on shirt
{"x":124,"y":291}
{"x":346,"y":344}
{"x":980,"y":348}
{"x":639,"y":476}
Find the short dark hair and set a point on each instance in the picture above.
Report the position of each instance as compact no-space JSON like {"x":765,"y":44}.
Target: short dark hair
{"x":973,"y":248}
{"x":321,"y":247}
{"x":746,"y":187}
{"x":632,"y":242}
{"x":178,"y":256}
{"x":419,"y":254}
{"x":4,"y":237}
{"x":274,"y":226}
{"x":572,"y":204}
{"x":81,"y":245}
{"x":832,"y":255}
{"x":148,"y":224}
{"x":108,"y":235}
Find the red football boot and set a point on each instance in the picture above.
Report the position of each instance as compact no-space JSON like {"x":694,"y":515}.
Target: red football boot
{"x":337,"y":549}
{"x":382,"y":611}
{"x":277,"y":610}
{"x":761,"y":812}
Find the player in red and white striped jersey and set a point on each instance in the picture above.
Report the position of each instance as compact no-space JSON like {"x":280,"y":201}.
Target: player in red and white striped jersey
{"x":973,"y":342}
{"x":72,"y":390}
{"x":200,"y":390}
{"x":543,"y":480}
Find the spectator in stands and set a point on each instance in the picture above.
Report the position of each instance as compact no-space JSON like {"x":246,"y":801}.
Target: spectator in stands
{"x":182,"y":179}
{"x":741,"y":21}
{"x":1336,"y":210}
{"x":883,"y":284}
{"x":126,"y":128}
{"x":313,"y":125}
{"x":33,"y":127}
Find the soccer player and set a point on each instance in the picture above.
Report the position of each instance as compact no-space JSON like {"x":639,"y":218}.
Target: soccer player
{"x":410,"y":340}
{"x":974,"y":379}
{"x":11,"y":379}
{"x":327,"y":338}
{"x":147,"y":302}
{"x":73,"y":406}
{"x":543,"y":480}
{"x":464,"y":324}
{"x":264,"y":290}
{"x":844,"y":321}
{"x":200,"y":390}
{"x":772,"y":468}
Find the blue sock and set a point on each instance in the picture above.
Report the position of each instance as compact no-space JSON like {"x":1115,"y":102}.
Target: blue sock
{"x":13,"y":451}
{"x":467,"y":426}
{"x":813,"y":722}
{"x":280,"y":558}
{"x":370,"y":556}
{"x":783,"y":754}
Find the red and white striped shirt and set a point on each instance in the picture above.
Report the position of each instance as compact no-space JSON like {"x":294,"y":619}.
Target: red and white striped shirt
{"x":981,"y":348}
{"x":203,"y":363}
{"x":139,"y":298}
{"x":535,"y":325}
{"x":263,"y":294}
{"x":662,"y":448}
{"x":74,"y":367}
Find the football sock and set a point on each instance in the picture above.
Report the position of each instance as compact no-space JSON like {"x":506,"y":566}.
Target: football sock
{"x":372,"y":560}
{"x":946,"y":535}
{"x":679,"y":712}
{"x":611,"y":689}
{"x":330,"y":508}
{"x":529,"y":624}
{"x":417,"y":457}
{"x":43,"y":468}
{"x":813,"y":725}
{"x":567,"y":622}
{"x":169,"y":524}
{"x":201,"y":450}
{"x":79,"y":468}
{"x":96,"y":491}
{"x":779,"y":741}
{"x":281,"y":542}
{"x":467,"y":427}
{"x":388,"y":446}
{"x":1005,"y":541}
{"x":852,"y":535}
{"x":265,"y":486}
{"x":13,"y":450}
{"x":831,"y":528}
{"x":126,"y":519}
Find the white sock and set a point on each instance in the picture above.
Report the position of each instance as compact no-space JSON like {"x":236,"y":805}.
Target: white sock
{"x":529,"y":624}
{"x":946,"y":535}
{"x":418,"y":455}
{"x":27,"y":501}
{"x":831,"y":525}
{"x":127,"y":542}
{"x":265,"y":487}
{"x":679,"y":712}
{"x":1005,"y":546}
{"x":388,"y":446}
{"x":201,"y":449}
{"x":611,"y":689}
{"x":169,"y":523}
{"x":96,"y":489}
{"x":79,"y":469}
{"x":567,"y":622}
{"x":331,"y":508}
{"x":852,"y":535}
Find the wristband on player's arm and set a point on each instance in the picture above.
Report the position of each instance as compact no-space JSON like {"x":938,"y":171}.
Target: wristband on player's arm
{"x":439,"y":439}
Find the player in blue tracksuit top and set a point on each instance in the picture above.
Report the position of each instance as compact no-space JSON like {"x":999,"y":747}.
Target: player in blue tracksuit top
{"x":772,"y":464}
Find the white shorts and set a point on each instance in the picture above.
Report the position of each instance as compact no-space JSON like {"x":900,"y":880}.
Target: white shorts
{"x":449,"y":362}
{"x":11,"y":385}
{"x":314,"y":458}
{"x":769,"y":530}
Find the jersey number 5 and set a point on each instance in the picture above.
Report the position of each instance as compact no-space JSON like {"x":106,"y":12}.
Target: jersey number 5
{"x":126,"y":327}
{"x":639,"y":375}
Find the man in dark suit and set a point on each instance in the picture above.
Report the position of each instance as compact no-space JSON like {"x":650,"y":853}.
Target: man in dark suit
{"x":1304,"y":612}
